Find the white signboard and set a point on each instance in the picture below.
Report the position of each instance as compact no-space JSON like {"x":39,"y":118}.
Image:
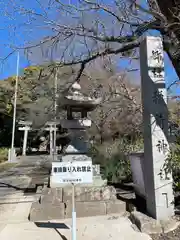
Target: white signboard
{"x":72,"y":172}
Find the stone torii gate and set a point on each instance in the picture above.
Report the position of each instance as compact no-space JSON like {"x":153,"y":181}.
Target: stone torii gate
{"x":25,"y":126}
{"x":50,"y":126}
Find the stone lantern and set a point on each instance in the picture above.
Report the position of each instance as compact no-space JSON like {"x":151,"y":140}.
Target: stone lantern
{"x":77,"y":106}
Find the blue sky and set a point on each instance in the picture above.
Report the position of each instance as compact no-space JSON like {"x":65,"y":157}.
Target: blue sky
{"x":8,"y":37}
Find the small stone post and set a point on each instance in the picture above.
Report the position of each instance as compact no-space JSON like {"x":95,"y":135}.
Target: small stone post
{"x":158,"y":182}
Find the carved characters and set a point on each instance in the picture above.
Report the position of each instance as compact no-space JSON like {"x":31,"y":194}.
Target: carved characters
{"x":162,"y":146}
{"x":160,"y":120}
{"x":157,"y":56}
{"x":157,"y":97}
{"x":156,"y":65}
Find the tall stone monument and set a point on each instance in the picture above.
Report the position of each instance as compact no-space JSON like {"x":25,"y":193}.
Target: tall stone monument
{"x":158,"y":183}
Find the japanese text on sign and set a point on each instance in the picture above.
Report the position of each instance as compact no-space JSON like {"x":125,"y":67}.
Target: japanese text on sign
{"x":73,"y":169}
{"x":73,"y":172}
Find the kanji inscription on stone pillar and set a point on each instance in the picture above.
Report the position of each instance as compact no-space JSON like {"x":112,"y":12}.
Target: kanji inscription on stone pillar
{"x":158,"y":183}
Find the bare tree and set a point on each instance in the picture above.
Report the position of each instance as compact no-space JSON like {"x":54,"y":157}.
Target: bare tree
{"x":169,"y":10}
{"x":82,"y":32}
{"x":120,"y":110}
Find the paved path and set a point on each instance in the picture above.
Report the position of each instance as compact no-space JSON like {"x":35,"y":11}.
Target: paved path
{"x":15,"y":205}
{"x":92,"y":228}
{"x":17,"y":187}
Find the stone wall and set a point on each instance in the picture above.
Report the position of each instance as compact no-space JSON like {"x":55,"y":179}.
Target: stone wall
{"x":56,"y":203}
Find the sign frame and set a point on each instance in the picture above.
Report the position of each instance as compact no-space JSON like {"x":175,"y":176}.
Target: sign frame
{"x":73,"y":172}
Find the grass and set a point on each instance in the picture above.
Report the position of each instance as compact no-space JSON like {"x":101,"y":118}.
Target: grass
{"x":3,"y":154}
{"x":4,"y":165}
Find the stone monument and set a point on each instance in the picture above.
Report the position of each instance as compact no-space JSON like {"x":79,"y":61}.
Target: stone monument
{"x":77,"y":105}
{"x":157,"y":182}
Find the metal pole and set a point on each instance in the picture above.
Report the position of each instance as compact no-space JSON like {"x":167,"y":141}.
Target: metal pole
{"x":55,"y":112}
{"x":73,"y":230}
{"x":15,"y":103}
{"x":51,"y":140}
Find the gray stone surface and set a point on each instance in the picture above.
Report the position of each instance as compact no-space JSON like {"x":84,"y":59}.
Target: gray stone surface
{"x":115,"y":207}
{"x":108,"y":193}
{"x":40,"y":212}
{"x":86,"y":209}
{"x":149,"y":225}
{"x":158,"y":183}
{"x":90,"y":193}
{"x":52,"y":195}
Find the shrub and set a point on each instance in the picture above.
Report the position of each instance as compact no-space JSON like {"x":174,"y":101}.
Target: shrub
{"x":113,"y":158}
{"x":3,"y":154}
{"x":172,"y":163}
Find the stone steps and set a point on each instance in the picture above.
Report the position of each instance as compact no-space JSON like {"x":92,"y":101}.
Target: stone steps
{"x":20,"y":199}
{"x":43,"y":212}
{"x":56,"y":203}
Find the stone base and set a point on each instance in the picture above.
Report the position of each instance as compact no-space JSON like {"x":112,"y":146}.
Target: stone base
{"x":56,"y":203}
{"x":43,"y":212}
{"x":149,"y":225}
{"x":47,"y":211}
{"x":97,"y":182}
{"x":82,"y":194}
{"x":85,"y":194}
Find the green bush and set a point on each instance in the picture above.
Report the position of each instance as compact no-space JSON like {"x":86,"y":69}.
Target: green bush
{"x":3,"y":154}
{"x":172,"y":164}
{"x":113,"y":158}
{"x":117,"y":168}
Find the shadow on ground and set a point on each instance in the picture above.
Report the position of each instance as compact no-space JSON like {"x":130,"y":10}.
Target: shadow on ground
{"x":29,"y":191}
{"x":54,"y":226}
{"x":126,"y":193}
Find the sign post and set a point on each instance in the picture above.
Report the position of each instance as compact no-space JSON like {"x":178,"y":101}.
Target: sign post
{"x":73,"y":213}
{"x":73,"y":172}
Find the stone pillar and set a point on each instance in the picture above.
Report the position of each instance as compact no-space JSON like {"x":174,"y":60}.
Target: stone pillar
{"x":51,"y":129}
{"x":158,"y":183}
{"x":25,"y":129}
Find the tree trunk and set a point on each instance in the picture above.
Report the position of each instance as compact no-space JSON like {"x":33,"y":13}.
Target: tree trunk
{"x":171,"y":35}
